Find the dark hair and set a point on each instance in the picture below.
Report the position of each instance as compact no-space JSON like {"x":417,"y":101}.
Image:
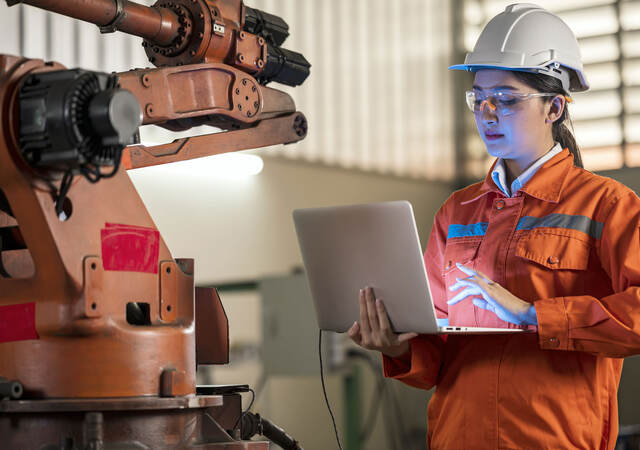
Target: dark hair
{"x":559,"y":131}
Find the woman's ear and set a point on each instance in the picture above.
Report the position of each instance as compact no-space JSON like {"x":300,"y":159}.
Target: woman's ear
{"x":555,"y":108}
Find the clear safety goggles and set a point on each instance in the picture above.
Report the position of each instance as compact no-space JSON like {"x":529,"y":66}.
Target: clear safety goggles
{"x":501,"y":102}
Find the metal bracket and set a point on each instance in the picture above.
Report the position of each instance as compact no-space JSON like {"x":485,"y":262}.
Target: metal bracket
{"x":168,"y":291}
{"x":93,"y":286}
{"x":113,"y":25}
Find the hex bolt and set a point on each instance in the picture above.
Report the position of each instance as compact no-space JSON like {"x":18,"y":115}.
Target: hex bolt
{"x":240,"y":57}
{"x":149,"y":109}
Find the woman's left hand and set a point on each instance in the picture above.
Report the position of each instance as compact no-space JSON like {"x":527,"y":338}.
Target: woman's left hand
{"x":495,"y":298}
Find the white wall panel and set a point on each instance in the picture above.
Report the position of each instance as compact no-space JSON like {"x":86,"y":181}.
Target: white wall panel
{"x":34,"y":34}
{"x":62,"y":44}
{"x":9,"y":24}
{"x":378,"y":97}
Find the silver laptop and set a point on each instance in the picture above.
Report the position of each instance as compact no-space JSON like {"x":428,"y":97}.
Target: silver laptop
{"x":347,"y":248}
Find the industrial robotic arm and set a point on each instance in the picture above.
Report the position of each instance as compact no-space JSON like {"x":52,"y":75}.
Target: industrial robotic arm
{"x":100,"y":326}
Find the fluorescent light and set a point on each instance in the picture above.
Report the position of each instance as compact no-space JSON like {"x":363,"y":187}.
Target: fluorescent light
{"x":224,"y":166}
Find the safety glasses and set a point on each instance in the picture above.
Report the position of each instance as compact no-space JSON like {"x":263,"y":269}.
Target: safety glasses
{"x":501,"y":102}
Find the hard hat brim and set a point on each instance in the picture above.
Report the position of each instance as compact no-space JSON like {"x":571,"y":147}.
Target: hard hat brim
{"x":579,"y":85}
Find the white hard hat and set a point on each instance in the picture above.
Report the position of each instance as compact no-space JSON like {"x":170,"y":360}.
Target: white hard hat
{"x":529,"y":38}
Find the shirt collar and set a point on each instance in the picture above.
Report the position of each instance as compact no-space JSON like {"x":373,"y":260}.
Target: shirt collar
{"x":499,"y":173}
{"x":546,"y":185}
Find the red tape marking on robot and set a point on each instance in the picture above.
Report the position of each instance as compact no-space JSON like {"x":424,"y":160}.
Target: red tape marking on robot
{"x":18,"y":322}
{"x":130,"y":248}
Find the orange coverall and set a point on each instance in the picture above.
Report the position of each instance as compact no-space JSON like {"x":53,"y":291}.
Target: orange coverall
{"x":568,"y":241}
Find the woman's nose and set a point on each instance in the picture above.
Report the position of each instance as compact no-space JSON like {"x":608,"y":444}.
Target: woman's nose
{"x":487,"y":104}
{"x":488,"y":111}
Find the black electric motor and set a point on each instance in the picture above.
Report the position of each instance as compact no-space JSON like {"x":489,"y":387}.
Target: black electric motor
{"x":76,"y":122}
{"x":283,"y":66}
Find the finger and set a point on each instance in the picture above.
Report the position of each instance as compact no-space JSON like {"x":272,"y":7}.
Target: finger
{"x":474,"y":272}
{"x":469,"y":271}
{"x":464,"y":294}
{"x":365,"y":329}
{"x":483,"y":282}
{"x":354,"y":333}
{"x":405,"y":337}
{"x":485,"y":277}
{"x":372,"y":312}
{"x":475,"y":281}
{"x":481,"y":303}
{"x":457,"y":285}
{"x":483,"y":288}
{"x":383,"y":318}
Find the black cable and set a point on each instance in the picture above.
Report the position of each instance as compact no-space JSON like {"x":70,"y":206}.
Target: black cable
{"x":260,"y":384}
{"x":324,"y":390}
{"x":253,"y":398}
{"x":65,"y":184}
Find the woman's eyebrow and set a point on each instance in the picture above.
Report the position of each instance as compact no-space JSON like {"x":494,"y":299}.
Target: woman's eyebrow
{"x":506,"y":86}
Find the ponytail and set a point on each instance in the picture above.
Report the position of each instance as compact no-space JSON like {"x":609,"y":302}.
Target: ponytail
{"x":559,"y":131}
{"x":564,"y":137}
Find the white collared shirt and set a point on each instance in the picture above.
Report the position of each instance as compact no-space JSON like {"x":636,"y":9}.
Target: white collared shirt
{"x":499,"y":174}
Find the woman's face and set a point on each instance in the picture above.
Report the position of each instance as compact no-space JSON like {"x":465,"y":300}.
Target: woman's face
{"x":522,"y":134}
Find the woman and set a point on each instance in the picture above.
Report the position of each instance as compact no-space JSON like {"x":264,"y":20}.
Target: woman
{"x":540,"y":243}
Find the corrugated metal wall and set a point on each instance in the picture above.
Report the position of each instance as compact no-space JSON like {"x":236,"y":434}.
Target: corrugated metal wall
{"x":378,"y":98}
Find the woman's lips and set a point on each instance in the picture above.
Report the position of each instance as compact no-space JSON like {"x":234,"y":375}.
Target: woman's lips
{"x":493,"y":136}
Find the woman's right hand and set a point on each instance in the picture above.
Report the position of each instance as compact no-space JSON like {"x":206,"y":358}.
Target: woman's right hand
{"x":374,"y":332}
